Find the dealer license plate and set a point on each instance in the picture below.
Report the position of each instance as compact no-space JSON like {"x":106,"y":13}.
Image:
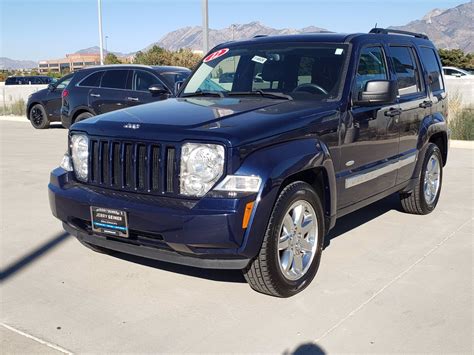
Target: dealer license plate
{"x":109,"y":221}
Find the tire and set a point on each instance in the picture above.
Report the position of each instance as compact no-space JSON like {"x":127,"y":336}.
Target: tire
{"x":96,"y":248}
{"x":266,"y":273}
{"x":83,"y":116}
{"x":38,"y":117}
{"x":418,"y":201}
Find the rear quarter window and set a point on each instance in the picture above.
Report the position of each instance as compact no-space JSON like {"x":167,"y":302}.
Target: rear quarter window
{"x":433,"y":68}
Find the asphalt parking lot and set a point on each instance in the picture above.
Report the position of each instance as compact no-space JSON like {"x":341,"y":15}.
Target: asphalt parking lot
{"x":388,"y":282}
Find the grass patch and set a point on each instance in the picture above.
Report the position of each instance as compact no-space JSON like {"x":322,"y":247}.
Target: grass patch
{"x":17,"y":108}
{"x":462,"y":125}
{"x":461,"y":118}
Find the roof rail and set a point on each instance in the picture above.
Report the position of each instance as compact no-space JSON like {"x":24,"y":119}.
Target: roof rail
{"x":258,"y":36}
{"x":387,"y":31}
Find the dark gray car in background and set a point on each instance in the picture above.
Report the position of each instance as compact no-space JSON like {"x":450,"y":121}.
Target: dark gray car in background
{"x":98,"y":90}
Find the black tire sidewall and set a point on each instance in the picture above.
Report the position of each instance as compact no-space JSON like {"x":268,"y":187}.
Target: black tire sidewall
{"x":44,"y":123}
{"x":83,"y":116}
{"x":432,"y":150}
{"x":294,"y":192}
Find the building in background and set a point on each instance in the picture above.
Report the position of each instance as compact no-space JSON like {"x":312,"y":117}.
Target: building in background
{"x":74,"y":62}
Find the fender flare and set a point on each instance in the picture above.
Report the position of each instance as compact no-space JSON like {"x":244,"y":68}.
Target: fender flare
{"x":83,"y":109}
{"x":431,"y":125}
{"x":276,"y":164}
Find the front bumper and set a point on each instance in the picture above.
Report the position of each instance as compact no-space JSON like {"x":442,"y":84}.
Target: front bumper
{"x":203,"y":233}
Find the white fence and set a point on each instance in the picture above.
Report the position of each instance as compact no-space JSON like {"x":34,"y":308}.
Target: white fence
{"x":13,"y":93}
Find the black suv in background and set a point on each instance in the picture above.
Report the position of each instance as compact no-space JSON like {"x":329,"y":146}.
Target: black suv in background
{"x":44,"y":106}
{"x":29,"y":80}
{"x":98,"y":90}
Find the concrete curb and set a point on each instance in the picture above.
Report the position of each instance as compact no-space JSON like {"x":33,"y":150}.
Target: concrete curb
{"x":14,"y":118}
{"x":461,"y":144}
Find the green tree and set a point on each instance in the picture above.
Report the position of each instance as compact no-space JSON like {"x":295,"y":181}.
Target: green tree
{"x":150,"y":57}
{"x":456,"y":58}
{"x":160,"y":56}
{"x":111,"y":58}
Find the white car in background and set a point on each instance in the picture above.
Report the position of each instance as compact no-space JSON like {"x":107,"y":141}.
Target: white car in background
{"x":456,"y":72}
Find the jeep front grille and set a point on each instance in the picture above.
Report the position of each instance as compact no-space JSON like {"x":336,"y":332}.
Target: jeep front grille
{"x":133,"y":166}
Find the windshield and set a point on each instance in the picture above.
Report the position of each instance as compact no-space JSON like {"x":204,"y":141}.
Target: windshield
{"x":297,"y":70}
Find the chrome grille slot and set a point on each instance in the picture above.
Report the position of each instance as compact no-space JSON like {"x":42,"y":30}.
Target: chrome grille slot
{"x":155,"y":168}
{"x":170,"y":169}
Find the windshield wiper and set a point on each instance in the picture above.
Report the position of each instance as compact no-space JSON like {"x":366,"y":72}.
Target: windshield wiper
{"x":204,"y":93}
{"x":271,"y":95}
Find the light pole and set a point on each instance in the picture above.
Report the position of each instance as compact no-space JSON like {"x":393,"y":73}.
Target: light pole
{"x":101,"y":49}
{"x":205,"y":27}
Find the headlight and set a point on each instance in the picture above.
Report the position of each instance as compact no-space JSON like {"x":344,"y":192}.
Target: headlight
{"x":80,"y":155}
{"x":201,"y":166}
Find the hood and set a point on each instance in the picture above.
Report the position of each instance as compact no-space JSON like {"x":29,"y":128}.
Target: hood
{"x":230,"y":120}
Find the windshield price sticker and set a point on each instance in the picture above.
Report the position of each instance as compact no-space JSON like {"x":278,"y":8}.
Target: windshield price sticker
{"x":215,"y":55}
{"x":259,"y":59}
{"x":339,"y":51}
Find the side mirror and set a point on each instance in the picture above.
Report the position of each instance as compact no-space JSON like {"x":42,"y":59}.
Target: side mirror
{"x":378,"y":92}
{"x":158,"y":89}
{"x":457,"y":75}
{"x":51,"y":87}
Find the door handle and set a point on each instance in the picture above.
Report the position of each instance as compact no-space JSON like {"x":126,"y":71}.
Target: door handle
{"x":393,"y":112}
{"x":95,"y":95}
{"x":132,"y":98}
{"x":426,"y":104}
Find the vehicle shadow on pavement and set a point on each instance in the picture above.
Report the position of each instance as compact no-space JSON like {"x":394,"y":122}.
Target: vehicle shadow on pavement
{"x":362,"y":216}
{"x":26,"y":260}
{"x":343,"y":225}
{"x":209,"y":274}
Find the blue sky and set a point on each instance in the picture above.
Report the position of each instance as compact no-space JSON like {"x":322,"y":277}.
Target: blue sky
{"x":44,"y":29}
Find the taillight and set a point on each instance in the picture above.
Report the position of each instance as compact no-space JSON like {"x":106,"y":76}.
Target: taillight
{"x":65,"y":93}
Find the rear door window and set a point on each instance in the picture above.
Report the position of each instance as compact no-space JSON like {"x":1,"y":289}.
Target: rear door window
{"x":92,"y":80}
{"x":406,"y":67}
{"x":433,"y":68}
{"x":115,"y":79}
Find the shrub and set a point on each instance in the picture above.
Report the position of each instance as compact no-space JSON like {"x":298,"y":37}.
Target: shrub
{"x":17,"y":108}
{"x":462,"y":125}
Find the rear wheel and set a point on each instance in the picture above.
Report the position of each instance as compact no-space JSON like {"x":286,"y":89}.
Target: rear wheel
{"x":83,"y":116}
{"x":424,"y":197}
{"x":292,"y":246}
{"x":38,"y":117}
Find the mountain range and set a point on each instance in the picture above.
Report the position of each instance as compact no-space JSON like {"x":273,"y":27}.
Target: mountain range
{"x":447,"y":28}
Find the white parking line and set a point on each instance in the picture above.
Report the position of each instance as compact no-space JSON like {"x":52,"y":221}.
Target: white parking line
{"x":398,"y":277}
{"x":29,"y":336}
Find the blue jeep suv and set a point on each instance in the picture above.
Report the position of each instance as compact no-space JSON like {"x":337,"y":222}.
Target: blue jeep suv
{"x":252,"y":174}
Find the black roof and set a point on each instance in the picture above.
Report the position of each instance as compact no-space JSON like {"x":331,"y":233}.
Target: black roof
{"x":379,"y":33}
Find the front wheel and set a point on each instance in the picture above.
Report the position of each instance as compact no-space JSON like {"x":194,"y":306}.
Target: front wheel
{"x":424,"y":197}
{"x":292,"y":246}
